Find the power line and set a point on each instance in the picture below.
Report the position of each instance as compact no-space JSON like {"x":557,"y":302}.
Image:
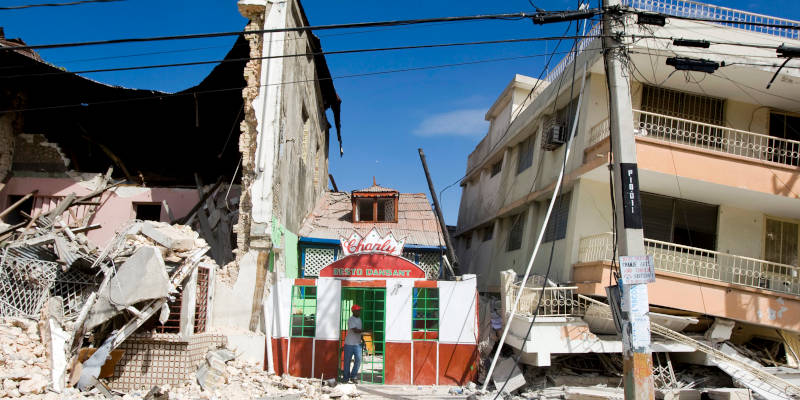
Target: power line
{"x":72,"y":3}
{"x":585,"y":14}
{"x":335,"y":52}
{"x":356,"y":75}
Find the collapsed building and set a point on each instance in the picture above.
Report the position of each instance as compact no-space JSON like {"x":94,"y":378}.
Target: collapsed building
{"x":140,"y":225}
{"x":718,"y":161}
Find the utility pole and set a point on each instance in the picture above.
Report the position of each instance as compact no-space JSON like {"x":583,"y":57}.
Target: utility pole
{"x":451,"y":254}
{"x":635,"y":323}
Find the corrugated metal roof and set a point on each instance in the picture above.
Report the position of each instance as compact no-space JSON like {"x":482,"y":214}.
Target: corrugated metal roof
{"x":416,"y":222}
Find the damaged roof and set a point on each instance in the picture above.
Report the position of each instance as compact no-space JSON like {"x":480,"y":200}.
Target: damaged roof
{"x":333,"y":217}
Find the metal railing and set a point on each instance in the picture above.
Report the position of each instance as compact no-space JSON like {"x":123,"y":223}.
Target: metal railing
{"x":557,"y":301}
{"x":597,"y":133}
{"x":731,"y":17}
{"x":718,"y":138}
{"x":702,"y":263}
{"x":556,"y":72}
{"x":707,"y":136}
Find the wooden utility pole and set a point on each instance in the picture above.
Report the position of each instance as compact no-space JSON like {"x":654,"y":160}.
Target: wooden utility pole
{"x":451,"y":254}
{"x":635,"y":323}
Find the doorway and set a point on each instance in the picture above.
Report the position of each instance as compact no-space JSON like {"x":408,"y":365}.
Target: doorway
{"x":373,"y":320}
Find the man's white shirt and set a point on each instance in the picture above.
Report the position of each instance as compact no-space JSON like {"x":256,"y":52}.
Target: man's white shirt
{"x":353,"y":338}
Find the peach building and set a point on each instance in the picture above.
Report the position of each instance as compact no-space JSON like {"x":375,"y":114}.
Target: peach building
{"x":718,"y":157}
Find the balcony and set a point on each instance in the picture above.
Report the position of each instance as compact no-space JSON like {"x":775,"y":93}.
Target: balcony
{"x":703,"y":264}
{"x":556,"y":302}
{"x":730,"y":17}
{"x":700,"y":135}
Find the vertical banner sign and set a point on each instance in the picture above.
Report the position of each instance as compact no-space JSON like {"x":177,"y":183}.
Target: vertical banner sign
{"x":631,"y":203}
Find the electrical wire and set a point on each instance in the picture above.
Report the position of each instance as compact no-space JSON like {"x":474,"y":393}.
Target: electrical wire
{"x":72,"y":3}
{"x":348,"y":76}
{"x":558,"y":197}
{"x":323,"y":53}
{"x":484,"y":17}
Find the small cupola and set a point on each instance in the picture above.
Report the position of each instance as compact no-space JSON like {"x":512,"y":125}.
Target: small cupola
{"x":375,"y":204}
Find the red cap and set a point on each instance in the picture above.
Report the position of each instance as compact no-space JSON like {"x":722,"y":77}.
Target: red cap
{"x":355,"y":307}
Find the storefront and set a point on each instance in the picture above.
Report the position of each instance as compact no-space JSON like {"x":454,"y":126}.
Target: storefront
{"x":422,"y":331}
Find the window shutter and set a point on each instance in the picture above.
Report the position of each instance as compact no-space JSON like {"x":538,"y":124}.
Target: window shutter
{"x":657,"y":217}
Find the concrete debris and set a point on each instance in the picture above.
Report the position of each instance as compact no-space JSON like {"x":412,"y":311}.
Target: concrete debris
{"x":213,"y":374}
{"x":593,"y":393}
{"x":143,"y":276}
{"x":509,"y":373}
{"x":174,"y":238}
{"x":720,"y":330}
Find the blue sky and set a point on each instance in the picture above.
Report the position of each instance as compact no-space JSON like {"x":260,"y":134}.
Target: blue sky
{"x":385,"y":118}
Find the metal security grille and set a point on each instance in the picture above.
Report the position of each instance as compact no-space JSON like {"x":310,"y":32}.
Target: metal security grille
{"x":425,"y":314}
{"x":373,"y":321}
{"x":26,"y":283}
{"x":430,"y":263}
{"x":201,"y":303}
{"x":304,"y":311}
{"x":683,"y":105}
{"x":317,"y":258}
{"x":173,"y":322}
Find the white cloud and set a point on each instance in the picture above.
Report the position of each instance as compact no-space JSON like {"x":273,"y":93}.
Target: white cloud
{"x":466,"y":122}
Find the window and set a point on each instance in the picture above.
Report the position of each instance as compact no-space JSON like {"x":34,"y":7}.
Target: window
{"x":566,"y":115}
{"x":304,"y":311}
{"x":371,"y":209}
{"x":425,"y":318}
{"x":148,"y":211}
{"x":525,"y":159}
{"x":784,"y":126}
{"x":683,"y":105}
{"x":557,"y":224}
{"x":497,"y":167}
{"x":365,"y":210}
{"x":486,"y":233}
{"x":15,"y":216}
{"x":685,"y":222}
{"x":468,"y":240}
{"x":516,"y":231}
{"x":781,"y":242}
{"x":201,"y":300}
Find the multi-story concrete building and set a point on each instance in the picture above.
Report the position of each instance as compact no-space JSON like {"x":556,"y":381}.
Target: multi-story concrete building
{"x":718,"y":158}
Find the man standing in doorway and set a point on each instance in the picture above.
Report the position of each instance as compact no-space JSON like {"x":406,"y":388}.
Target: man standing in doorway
{"x":352,"y":345}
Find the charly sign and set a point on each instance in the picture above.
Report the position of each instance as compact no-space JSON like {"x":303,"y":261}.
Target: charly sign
{"x":372,"y":257}
{"x":372,"y":243}
{"x":372,"y":266}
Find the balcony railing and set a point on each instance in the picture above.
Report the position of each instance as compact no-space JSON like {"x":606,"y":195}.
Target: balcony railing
{"x":556,"y":72}
{"x":732,"y":17}
{"x":701,"y":263}
{"x":706,"y":136}
{"x":557,"y":301}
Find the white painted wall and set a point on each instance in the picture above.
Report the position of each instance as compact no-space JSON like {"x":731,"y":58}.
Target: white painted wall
{"x":457,"y":314}
{"x":399,"y":303}
{"x":329,"y":307}
{"x":740,"y":232}
{"x":233,"y":304}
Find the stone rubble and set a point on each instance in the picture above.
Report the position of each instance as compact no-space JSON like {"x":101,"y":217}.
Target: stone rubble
{"x":24,"y":373}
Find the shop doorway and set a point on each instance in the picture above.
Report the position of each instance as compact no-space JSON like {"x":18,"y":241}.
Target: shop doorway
{"x":373,"y":320}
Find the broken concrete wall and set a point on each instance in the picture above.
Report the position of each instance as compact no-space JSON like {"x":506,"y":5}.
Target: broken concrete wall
{"x":116,"y":207}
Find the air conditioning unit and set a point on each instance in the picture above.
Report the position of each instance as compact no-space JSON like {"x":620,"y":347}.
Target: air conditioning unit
{"x":554,"y":134}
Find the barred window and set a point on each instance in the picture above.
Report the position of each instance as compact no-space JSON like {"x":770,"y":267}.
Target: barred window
{"x":516,"y":231}
{"x":425,"y":319}
{"x":304,"y":311}
{"x":557,"y":225}
{"x":525,"y":159}
{"x":497,"y":167}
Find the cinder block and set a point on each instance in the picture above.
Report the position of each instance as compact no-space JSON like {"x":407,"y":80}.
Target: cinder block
{"x":169,"y":236}
{"x":504,"y":368}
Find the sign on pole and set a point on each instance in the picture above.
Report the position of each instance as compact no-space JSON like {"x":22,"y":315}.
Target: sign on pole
{"x":637,"y":269}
